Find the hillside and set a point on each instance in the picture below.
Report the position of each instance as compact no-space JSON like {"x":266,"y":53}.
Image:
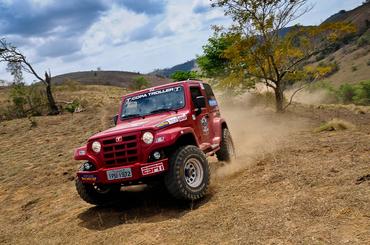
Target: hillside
{"x":115,"y":78}
{"x":288,"y":186}
{"x":187,"y":66}
{"x":353,"y":64}
{"x":359,"y":16}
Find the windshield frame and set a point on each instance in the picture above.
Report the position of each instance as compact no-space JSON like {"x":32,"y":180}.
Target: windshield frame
{"x":126,"y":98}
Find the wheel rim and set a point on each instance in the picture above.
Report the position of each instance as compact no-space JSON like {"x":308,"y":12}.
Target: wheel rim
{"x":193,"y":170}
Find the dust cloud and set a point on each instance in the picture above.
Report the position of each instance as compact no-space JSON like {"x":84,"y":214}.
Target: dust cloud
{"x":317,"y":97}
{"x":256,"y":131}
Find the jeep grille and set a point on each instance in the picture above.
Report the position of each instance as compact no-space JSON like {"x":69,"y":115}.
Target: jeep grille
{"x":121,"y":153}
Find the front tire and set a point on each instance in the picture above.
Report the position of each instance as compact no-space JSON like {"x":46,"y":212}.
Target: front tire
{"x":189,"y":174}
{"x":227,"y":151}
{"x":97,"y":195}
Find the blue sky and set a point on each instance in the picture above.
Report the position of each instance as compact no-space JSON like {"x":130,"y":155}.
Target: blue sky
{"x":130,"y":35}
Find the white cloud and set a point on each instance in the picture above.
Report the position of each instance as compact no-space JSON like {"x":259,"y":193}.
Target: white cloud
{"x":121,"y":39}
{"x":113,"y":28}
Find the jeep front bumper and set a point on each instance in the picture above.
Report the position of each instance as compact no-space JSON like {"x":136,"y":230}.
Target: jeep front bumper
{"x":123,"y":174}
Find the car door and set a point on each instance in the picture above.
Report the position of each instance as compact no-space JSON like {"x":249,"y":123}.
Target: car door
{"x":213,"y":111}
{"x":201,"y":121}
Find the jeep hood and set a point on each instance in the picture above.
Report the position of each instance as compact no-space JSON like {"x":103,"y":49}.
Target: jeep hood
{"x":137,"y":124}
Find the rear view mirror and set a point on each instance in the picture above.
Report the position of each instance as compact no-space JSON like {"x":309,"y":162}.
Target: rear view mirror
{"x":115,"y":119}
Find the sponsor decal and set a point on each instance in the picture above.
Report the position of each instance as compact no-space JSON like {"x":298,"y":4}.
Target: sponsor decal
{"x":119,"y":139}
{"x":151,"y":169}
{"x":204,"y":123}
{"x":172,"y":120}
{"x":88,"y":177}
{"x":212,"y":102}
{"x":163,"y":124}
{"x":81,"y":152}
{"x":182,"y":117}
{"x":154,"y":92}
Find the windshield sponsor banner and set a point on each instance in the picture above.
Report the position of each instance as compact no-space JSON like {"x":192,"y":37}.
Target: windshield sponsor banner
{"x":154,"y":93}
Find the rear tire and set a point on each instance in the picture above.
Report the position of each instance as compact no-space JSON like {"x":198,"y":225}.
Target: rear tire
{"x":97,"y":195}
{"x":227,"y":151}
{"x":189,"y":174}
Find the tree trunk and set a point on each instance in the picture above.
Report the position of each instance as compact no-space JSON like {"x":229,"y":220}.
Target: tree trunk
{"x":52,"y":105}
{"x":279,"y":98}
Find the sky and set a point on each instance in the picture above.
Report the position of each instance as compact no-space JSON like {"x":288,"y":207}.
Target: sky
{"x":126,"y":35}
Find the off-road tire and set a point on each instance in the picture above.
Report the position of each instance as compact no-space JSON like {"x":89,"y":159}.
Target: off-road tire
{"x":225,"y":153}
{"x":175,"y":179}
{"x":90,"y":195}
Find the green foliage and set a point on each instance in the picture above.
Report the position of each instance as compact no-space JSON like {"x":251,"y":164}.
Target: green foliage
{"x":184,"y":75}
{"x":345,"y":93}
{"x":213,"y":63}
{"x":72,"y":107}
{"x":364,"y":40}
{"x":140,"y":83}
{"x":15,"y":69}
{"x":25,"y":101}
{"x":358,"y":94}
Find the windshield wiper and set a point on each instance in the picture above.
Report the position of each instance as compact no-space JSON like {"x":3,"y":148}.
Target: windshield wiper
{"x":162,"y":110}
{"x":131,"y":116}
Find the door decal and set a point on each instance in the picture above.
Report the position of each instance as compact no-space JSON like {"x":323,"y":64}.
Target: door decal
{"x":204,"y":123}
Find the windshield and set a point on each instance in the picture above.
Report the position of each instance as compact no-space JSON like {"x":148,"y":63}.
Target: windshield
{"x":156,"y":101}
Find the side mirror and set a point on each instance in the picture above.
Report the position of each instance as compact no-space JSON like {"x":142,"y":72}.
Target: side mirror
{"x":199,"y":103}
{"x":115,"y":119}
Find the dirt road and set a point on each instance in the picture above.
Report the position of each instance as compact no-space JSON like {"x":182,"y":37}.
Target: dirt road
{"x":289,"y":185}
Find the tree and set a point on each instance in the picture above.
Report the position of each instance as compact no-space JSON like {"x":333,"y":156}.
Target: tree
{"x":212,"y":62}
{"x":184,"y":75}
{"x":17,"y":63}
{"x":259,"y":53}
{"x":140,"y":83}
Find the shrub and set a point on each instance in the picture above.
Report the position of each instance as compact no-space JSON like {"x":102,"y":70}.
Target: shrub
{"x":26,"y":101}
{"x":72,"y":107}
{"x":140,"y":83}
{"x":362,"y":93}
{"x":184,"y":75}
{"x":354,"y":68}
{"x":345,"y":93}
{"x":364,"y":40}
{"x":358,"y":94}
{"x":334,"y":125}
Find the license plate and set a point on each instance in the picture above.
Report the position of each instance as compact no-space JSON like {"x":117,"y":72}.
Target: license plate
{"x":122,"y":173}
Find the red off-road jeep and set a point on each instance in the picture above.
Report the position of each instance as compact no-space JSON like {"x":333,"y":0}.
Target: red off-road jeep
{"x":161,"y":133}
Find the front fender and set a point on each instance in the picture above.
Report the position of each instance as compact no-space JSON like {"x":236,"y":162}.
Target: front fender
{"x":171,"y":135}
{"x":82,"y":154}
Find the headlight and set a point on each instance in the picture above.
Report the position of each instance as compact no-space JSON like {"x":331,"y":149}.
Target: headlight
{"x":148,"y":137}
{"x":96,"y":146}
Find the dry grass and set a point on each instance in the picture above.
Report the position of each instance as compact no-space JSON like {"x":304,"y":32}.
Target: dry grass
{"x":334,"y":125}
{"x":300,"y":188}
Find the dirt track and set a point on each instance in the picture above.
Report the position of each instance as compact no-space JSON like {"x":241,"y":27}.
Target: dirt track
{"x":294,"y":186}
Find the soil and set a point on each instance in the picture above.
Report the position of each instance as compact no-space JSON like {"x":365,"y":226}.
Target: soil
{"x":289,"y":184}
